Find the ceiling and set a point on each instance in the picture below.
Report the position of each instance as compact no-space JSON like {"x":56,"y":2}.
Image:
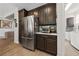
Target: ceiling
{"x":27,"y":6}
{"x":74,"y":8}
{"x":6,"y":8}
{"x":65,"y":4}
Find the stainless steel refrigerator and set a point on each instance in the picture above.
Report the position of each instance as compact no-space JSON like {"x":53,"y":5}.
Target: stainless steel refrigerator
{"x":28,"y":40}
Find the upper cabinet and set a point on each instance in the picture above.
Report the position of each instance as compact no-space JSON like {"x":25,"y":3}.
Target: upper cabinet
{"x":33,"y":12}
{"x":22,"y":13}
{"x":45,"y":13}
{"x":50,"y":14}
{"x":41,"y":15}
{"x":30,"y":12}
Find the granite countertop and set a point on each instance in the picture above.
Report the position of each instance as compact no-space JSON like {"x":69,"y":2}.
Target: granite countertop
{"x":46,"y":33}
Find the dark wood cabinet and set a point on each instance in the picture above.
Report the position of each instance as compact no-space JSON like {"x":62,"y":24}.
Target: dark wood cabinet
{"x":47,"y":43}
{"x":40,"y":43}
{"x":51,"y":44}
{"x":41,"y":16}
{"x":33,"y":12}
{"x":50,"y":14}
{"x":46,"y":14}
{"x":23,"y":42}
{"x":22,"y":13}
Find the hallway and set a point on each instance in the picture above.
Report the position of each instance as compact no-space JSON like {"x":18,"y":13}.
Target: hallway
{"x":69,"y":50}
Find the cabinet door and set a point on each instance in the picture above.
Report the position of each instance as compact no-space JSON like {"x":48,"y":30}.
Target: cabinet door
{"x":22,"y":13}
{"x":21,"y":26}
{"x":40,"y":43}
{"x":51,"y":45}
{"x":23,"y":41}
{"x":30,"y":13}
{"x":41,"y":16}
{"x":51,"y":14}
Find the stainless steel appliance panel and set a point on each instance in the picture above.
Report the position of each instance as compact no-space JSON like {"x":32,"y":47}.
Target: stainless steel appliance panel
{"x":29,"y":32}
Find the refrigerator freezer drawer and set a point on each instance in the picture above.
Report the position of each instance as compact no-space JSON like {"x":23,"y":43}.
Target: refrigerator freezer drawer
{"x":28,"y":43}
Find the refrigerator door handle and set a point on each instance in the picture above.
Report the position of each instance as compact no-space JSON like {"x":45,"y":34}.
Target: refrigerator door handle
{"x":27,"y":38}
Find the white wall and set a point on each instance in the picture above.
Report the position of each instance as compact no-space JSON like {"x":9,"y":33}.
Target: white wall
{"x":61,"y":24}
{"x":16,"y":29}
{"x":6,"y":10}
{"x":75,"y":39}
{"x":74,"y":35}
{"x":74,"y":14}
{"x":16,"y":33}
{"x":2,"y":31}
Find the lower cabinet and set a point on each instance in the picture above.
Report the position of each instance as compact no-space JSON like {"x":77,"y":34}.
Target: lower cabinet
{"x":51,"y":45}
{"x":40,"y":43}
{"x":47,"y":43}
